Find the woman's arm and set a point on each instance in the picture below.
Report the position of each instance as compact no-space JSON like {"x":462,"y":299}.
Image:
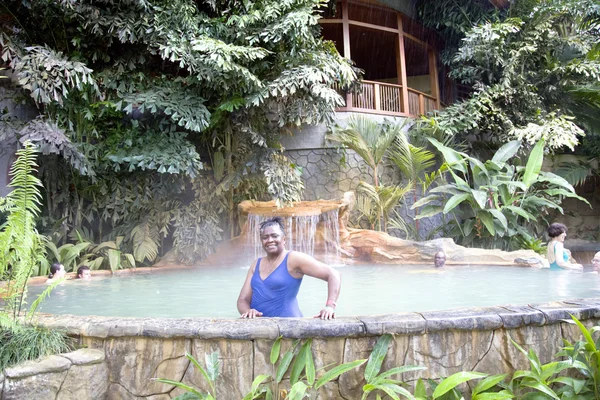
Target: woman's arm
{"x":560,"y":250}
{"x":245,"y":297}
{"x":307,"y":265}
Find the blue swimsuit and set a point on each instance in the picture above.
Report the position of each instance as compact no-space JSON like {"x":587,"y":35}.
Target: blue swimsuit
{"x":555,"y":265}
{"x":276,"y":295}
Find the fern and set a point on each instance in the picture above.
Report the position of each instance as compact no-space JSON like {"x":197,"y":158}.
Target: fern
{"x":145,"y":242}
{"x":21,"y":246}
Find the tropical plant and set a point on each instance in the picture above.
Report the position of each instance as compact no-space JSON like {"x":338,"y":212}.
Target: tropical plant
{"x":210,"y":374}
{"x":303,"y":379}
{"x":132,"y":94}
{"x":22,"y":342}
{"x":367,"y":138}
{"x":414,"y":163}
{"x":583,"y":355}
{"x":21,"y":247}
{"x":371,"y":141}
{"x":533,"y":72}
{"x":382,"y":382}
{"x":21,"y":253}
{"x":499,"y":202}
{"x":107,"y":254}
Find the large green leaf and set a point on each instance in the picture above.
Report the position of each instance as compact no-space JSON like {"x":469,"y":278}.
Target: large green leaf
{"x":538,"y":202}
{"x":201,"y":369}
{"x":454,"y":380}
{"x":212,"y":365}
{"x":377,"y":356}
{"x":275,"y":350}
{"x":480,"y":197}
{"x":455,"y":201}
{"x":534,"y":164}
{"x":446,"y":189}
{"x":337,"y":371}
{"x":487,"y":220}
{"x":519,"y":211}
{"x":429,"y":211}
{"x":488,"y":383}
{"x":499,"y":217}
{"x":300,"y":362}
{"x":506,"y":152}
{"x":425,"y":200}
{"x":452,"y":157}
{"x":542,"y":388}
{"x":297,"y":392}
{"x":114,"y":259}
{"x":284,"y":364}
{"x":556,"y":180}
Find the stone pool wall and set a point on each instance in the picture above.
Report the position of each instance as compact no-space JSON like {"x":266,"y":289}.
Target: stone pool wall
{"x":139,"y":349}
{"x":82,"y":374}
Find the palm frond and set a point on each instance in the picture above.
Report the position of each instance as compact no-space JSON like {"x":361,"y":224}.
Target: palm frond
{"x":145,"y":242}
{"x":576,"y":173}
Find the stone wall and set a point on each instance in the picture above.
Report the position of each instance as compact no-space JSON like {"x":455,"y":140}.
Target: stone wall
{"x":139,"y":349}
{"x":82,"y":374}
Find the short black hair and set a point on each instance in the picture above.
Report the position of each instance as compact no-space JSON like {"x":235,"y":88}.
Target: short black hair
{"x":272,"y":222}
{"x":54,"y":269}
{"x":556,"y":229}
{"x":81,"y":269}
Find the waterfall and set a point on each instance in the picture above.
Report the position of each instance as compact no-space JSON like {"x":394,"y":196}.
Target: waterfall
{"x":331,"y":232}
{"x":300,"y":233}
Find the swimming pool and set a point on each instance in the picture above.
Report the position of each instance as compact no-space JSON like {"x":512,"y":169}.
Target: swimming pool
{"x":366,"y":290}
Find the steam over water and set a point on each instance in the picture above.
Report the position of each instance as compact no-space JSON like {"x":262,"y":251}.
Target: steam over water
{"x":366,"y":290}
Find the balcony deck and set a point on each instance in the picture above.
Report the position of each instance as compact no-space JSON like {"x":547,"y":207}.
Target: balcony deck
{"x":387,"y":99}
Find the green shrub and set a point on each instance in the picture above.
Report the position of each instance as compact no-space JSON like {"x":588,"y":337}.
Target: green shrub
{"x":25,"y":342}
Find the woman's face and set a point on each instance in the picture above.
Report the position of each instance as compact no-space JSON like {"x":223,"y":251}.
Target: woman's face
{"x":596,"y":261}
{"x":561,"y":237}
{"x":272,"y":239}
{"x":61,"y":272}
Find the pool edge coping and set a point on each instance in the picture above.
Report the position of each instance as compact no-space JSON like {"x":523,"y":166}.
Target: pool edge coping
{"x":462,"y":319}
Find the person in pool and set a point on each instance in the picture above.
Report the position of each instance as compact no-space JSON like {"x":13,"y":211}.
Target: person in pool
{"x":57,"y":271}
{"x":83,"y":272}
{"x":439,"y":259}
{"x":596,"y":262}
{"x":272,"y":283}
{"x":558,"y":256}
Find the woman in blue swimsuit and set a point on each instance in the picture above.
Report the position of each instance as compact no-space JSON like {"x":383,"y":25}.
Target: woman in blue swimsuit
{"x":558,"y":256}
{"x":273,"y":281}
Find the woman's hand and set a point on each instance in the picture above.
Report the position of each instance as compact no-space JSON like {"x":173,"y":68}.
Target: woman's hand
{"x":252,"y":313}
{"x":577,"y":267}
{"x":326,"y":313}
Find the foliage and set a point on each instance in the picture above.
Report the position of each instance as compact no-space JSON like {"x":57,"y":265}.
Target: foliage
{"x":414,"y":163}
{"x":368,"y":138}
{"x":136,"y":98}
{"x":583,"y":355}
{"x":197,"y":224}
{"x":371,"y":141}
{"x":453,"y":19}
{"x":381,"y":382}
{"x":496,"y":202}
{"x":527,"y":72}
{"x":373,"y":202}
{"x":303,"y":379}
{"x":21,"y":247}
{"x":210,"y":374}
{"x":23,"y":342}
{"x":575,"y":376}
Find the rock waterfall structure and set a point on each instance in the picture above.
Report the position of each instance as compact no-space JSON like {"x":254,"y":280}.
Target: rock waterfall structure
{"x":319,"y":228}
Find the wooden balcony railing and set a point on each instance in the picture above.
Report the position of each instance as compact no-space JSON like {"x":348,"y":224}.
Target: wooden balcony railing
{"x":386,"y":98}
